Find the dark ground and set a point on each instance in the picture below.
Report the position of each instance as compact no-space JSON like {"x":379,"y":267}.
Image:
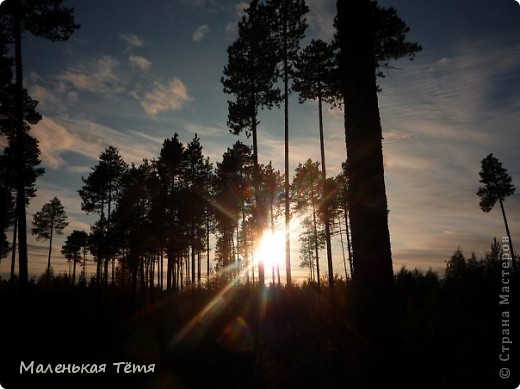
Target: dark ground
{"x":446,"y":335}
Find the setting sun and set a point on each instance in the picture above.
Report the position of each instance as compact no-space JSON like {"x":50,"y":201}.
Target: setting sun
{"x":271,"y":249}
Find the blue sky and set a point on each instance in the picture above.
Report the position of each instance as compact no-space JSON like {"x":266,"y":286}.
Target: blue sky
{"x":137,"y":72}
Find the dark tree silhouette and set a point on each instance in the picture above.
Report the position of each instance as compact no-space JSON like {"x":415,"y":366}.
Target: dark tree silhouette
{"x":7,"y":209}
{"x":169,"y":169}
{"x":100,"y":191}
{"x":368,"y":37}
{"x":311,"y":242}
{"x":72,"y":249}
{"x":250,"y":76}
{"x":456,"y":266}
{"x":30,"y":173}
{"x":341,"y":208}
{"x":316,"y":73}
{"x":131,"y":221}
{"x":288,"y":24}
{"x":6,"y":195}
{"x":96,"y":245}
{"x":48,"y":20}
{"x":497,"y":186}
{"x":196,"y":175}
{"x":307,"y":195}
{"x":368,"y":204}
{"x":315,"y":69}
{"x":232,"y":187}
{"x":373,"y":278}
{"x":52,"y":219}
{"x":158,"y":215}
{"x":10,"y":171}
{"x":389,"y":38}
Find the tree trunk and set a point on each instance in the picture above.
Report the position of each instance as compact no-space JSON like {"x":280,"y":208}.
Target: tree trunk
{"x":316,"y":246}
{"x":286,"y":163}
{"x":508,"y":235}
{"x":152,"y":273}
{"x":349,"y":244}
{"x":4,"y":217}
{"x":85,"y":264}
{"x":50,"y":251}
{"x":343,"y":250}
{"x":373,"y":276}
{"x":199,"y":264}
{"x":169,"y":269}
{"x":324,"y":194}
{"x":13,"y":254}
{"x":207,"y":248}
{"x":74,"y":270}
{"x":363,"y":134}
{"x":272,"y":234}
{"x":193,"y":270}
{"x":310,"y":255}
{"x":113,"y":261}
{"x":140,"y":265}
{"x":133,"y":264}
{"x":259,"y":210}
{"x":108,"y":237}
{"x":161,"y":268}
{"x":244,"y":240}
{"x":20,"y":148}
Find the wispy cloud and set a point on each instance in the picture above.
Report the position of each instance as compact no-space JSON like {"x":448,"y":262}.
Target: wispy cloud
{"x":200,"y":33}
{"x":132,"y":40}
{"x":140,"y":62}
{"x":460,"y":90}
{"x":54,"y":140}
{"x":54,"y":99}
{"x":101,"y":75}
{"x":172,"y":96}
{"x":88,"y":139}
{"x":440,"y":118}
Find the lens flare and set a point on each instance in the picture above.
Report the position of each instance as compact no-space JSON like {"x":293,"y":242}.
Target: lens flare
{"x":271,"y":249}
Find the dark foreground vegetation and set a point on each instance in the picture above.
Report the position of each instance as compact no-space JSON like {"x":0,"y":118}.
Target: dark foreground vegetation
{"x":445,"y":332}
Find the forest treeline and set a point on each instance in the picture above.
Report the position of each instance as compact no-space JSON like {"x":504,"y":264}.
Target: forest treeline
{"x":162,"y":214}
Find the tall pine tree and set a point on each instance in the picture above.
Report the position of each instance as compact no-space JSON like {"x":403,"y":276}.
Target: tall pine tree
{"x":315,"y":71}
{"x":497,"y":186}
{"x":250,"y":76}
{"x":99,"y":193}
{"x":307,"y":192}
{"x":51,"y":220}
{"x":46,"y":19}
{"x":169,"y":169}
{"x":288,"y":24}
{"x":373,"y":272}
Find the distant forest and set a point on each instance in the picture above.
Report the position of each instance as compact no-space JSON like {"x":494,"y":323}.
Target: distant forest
{"x":149,"y":304}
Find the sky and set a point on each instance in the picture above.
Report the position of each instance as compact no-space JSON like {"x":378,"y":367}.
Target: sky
{"x":137,"y":72}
